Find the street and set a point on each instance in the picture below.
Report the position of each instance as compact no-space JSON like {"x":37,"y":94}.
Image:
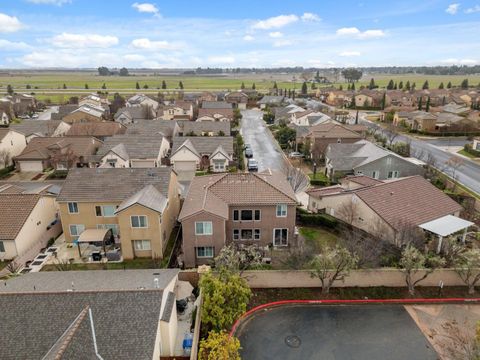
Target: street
{"x":468,"y":174}
{"x":265,"y":149}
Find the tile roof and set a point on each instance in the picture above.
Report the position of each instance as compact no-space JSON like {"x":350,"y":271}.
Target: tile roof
{"x":41,"y":148}
{"x":15,"y":209}
{"x":97,"y":129}
{"x":148,"y":197}
{"x":363,"y":180}
{"x":216,"y":113}
{"x":333,"y":130}
{"x":204,"y":144}
{"x":198,"y":127}
{"x":112,"y":184}
{"x":41,"y":127}
{"x":214,"y":193}
{"x":167,"y":128}
{"x":328,"y":190}
{"x":216,"y":105}
{"x":136,"y":146}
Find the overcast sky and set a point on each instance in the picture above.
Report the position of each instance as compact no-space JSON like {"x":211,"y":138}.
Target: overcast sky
{"x":267,"y":33}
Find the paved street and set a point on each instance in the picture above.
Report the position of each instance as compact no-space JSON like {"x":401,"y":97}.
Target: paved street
{"x":265,"y":149}
{"x":468,"y":174}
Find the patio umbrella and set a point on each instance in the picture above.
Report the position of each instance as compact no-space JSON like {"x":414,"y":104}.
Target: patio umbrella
{"x":183,"y":290}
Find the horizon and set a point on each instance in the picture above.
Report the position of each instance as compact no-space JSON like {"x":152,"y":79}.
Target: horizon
{"x":73,"y":34}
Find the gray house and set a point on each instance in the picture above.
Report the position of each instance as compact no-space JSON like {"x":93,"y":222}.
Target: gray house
{"x":365,"y":158}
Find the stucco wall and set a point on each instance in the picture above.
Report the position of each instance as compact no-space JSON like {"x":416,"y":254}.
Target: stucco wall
{"x":14,"y":143}
{"x":390,"y":163}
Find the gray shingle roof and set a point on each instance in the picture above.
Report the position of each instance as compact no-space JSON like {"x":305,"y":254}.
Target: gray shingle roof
{"x":205,"y":144}
{"x":206,"y":126}
{"x":216,"y":105}
{"x":112,"y":184}
{"x":41,"y":127}
{"x":149,"y":197}
{"x":138,"y":146}
{"x":166,"y":127}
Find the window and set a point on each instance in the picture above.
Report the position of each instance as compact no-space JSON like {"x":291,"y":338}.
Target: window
{"x":113,"y":227}
{"x":236,"y":234}
{"x":139,"y":221}
{"x":281,"y":210}
{"x":246,"y":234}
{"x":393,"y":174}
{"x":205,"y":252}
{"x":76,"y":230}
{"x":246,"y":215}
{"x":73,"y":208}
{"x":219,"y":164}
{"x":141,"y":245}
{"x":235,"y":215}
{"x":203,"y":228}
{"x":105,"y":210}
{"x":257,"y":215}
{"x":280,"y":237}
{"x":375,"y":174}
{"x":2,"y":247}
{"x":256,"y":234}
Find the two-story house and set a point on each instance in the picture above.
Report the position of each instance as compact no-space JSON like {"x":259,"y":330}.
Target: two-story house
{"x":12,"y":144}
{"x":180,"y":110}
{"x":243,"y":208}
{"x":140,"y":206}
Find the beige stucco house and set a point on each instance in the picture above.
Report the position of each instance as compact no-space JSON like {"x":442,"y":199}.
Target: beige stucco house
{"x":12,"y":144}
{"x":140,"y":205}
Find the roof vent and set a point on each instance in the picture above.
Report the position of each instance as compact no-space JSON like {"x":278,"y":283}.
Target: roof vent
{"x":156,"y":283}
{"x":391,"y":193}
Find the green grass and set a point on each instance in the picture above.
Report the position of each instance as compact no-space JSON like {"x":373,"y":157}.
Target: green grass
{"x":467,"y":154}
{"x":138,"y":263}
{"x":3,"y":264}
{"x":318,"y":238}
{"x":318,"y":176}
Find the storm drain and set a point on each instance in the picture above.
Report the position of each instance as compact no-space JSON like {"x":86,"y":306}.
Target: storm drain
{"x":293,"y":341}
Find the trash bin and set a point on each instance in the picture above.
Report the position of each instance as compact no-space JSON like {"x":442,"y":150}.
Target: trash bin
{"x":187,"y":343}
{"x":96,"y":256}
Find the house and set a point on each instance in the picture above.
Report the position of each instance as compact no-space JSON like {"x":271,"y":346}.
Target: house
{"x":100,"y":130}
{"x":216,"y":105}
{"x":320,"y":136}
{"x":4,"y":118}
{"x":238,"y":99}
{"x":96,"y":101}
{"x":339,"y":98}
{"x":61,"y":153}
{"x":63,"y":110}
{"x":139,"y":205}
{"x":385,"y":209}
{"x":192,"y":153}
{"x":12,"y":144}
{"x":476,"y":144}
{"x":128,"y":115}
{"x":415,"y":120}
{"x":85,"y":113}
{"x":133,"y":151}
{"x":205,"y":128}
{"x":271,"y":100}
{"x":371,"y":98}
{"x":455,"y":109}
{"x":36,"y":128}
{"x":110,"y":315}
{"x":240,"y":208}
{"x":366,"y":158}
{"x":284,"y":114}
{"x":401,"y":99}
{"x":166,"y":128}
{"x":28,"y":219}
{"x":6,"y":105}
{"x":206,"y":96}
{"x":215,"y":115}
{"x":141,"y":100}
{"x":309,"y":118}
{"x":23,"y":103}
{"x":180,"y":110}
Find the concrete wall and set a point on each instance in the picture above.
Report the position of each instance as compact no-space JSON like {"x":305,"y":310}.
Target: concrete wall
{"x":357,"y":278}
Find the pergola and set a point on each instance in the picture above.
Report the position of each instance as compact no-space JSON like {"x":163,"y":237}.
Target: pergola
{"x":93,"y":236}
{"x":446,"y":226}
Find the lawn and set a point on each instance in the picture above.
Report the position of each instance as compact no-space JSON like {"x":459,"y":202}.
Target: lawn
{"x":318,"y":238}
{"x":138,"y":263}
{"x":318,"y":176}
{"x":467,"y":154}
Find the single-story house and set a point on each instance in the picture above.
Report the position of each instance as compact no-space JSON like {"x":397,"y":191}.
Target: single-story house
{"x":271,"y":100}
{"x":215,"y":115}
{"x":35,"y":128}
{"x":166,"y":128}
{"x":205,"y":128}
{"x":85,"y":113}
{"x":100,"y":130}
{"x":128,"y":115}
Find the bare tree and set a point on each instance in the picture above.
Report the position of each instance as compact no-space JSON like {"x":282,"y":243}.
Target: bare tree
{"x":5,"y":157}
{"x":332,"y":264}
{"x":13,"y":267}
{"x":64,"y":156}
{"x":467,"y":267}
{"x":409,"y":234}
{"x":453,"y":164}
{"x":391,"y":134}
{"x":367,"y":248}
{"x":296,"y":177}
{"x":62,"y":265}
{"x":349,"y":211}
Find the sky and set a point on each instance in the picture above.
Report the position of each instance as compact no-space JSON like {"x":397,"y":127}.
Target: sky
{"x":267,"y":33}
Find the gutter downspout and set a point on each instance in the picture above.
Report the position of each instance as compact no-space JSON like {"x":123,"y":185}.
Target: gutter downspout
{"x":93,"y":334}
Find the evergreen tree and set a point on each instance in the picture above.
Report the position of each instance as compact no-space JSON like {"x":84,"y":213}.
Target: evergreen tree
{"x":414,"y":86}
{"x":464,"y":84}
{"x":427,"y":105}
{"x":86,"y":86}
{"x":180,"y":85}
{"x":390,"y":85}
{"x":449,"y":85}
{"x":317,"y":76}
{"x":137,"y":85}
{"x":407,"y":85}
{"x":348,"y":87}
{"x":372,"y":84}
{"x":420,"y":99}
{"x":400,"y":85}
{"x":289,"y":93}
{"x":10,"y":90}
{"x":441,"y":86}
{"x":253,"y":86}
{"x":340,"y":88}
{"x":443,"y":101}
{"x":395,"y":87}
{"x":425,"y":85}
{"x":304,"y":88}
{"x":145,"y":86}
{"x":275,"y":85}
{"x":353,"y":86}
{"x":384,"y":100}
{"x":64,"y":86}
{"x":164,"y":85}
{"x":293,"y":94}
{"x":104,"y":86}
{"x":242,"y":86}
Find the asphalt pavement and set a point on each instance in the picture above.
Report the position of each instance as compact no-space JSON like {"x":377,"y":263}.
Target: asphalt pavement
{"x":47,"y":113}
{"x":265,"y":148}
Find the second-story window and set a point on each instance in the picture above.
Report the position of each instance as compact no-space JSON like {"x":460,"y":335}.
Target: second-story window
{"x":139,"y":221}
{"x":105,"y":210}
{"x":281,"y":210}
{"x":73,"y":208}
{"x":203,"y":228}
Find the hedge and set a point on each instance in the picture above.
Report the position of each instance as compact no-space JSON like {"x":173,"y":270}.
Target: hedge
{"x":318,"y":219}
{"x":320,"y":182}
{"x":5,"y":171}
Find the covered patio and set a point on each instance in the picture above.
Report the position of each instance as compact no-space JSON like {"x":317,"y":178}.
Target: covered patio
{"x":447,"y":226}
{"x":91,"y":239}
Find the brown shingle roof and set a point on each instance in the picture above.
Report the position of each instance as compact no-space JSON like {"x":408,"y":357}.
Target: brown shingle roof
{"x":216,"y":192}
{"x":332,"y":130}
{"x":227,"y":113}
{"x":40,"y":148}
{"x":15,"y":209}
{"x":204,"y":144}
{"x":99,"y":129}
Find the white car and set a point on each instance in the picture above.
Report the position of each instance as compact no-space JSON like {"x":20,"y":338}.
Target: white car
{"x":252,"y":165}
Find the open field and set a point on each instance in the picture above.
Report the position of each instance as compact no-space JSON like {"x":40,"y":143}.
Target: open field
{"x":50,"y":85}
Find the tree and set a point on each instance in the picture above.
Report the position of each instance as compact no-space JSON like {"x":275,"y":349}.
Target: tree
{"x":64,"y":86}
{"x":253,"y":86}
{"x":137,"y":86}
{"x":117,"y":103}
{"x":464,"y":84}
{"x":395,"y":87}
{"x":226,"y":297}
{"x":414,"y":262}
{"x":407,"y":85}
{"x":13,"y":267}
{"x":353,"y":87}
{"x":145,"y":86}
{"x":104,"y":86}
{"x":10,"y":90}
{"x":425,"y":85}
{"x":351,"y":75}
{"x":237,"y":116}
{"x":317,"y":76}
{"x":296,"y":178}
{"x":304,"y":88}
{"x":414,"y":86}
{"x":268,"y":116}
{"x":372,"y":84}
{"x":441,"y":86}
{"x":219,"y":346}
{"x":349,"y":211}
{"x":86,"y":86}
{"x":237,"y":260}
{"x":420,"y":105}
{"x":384,"y":100}
{"x":427,"y":105}
{"x":449,"y":85}
{"x":454,"y":163}
{"x":467,"y":266}
{"x":164,"y":85}
{"x":275,"y":86}
{"x":28,"y":86}
{"x":5,"y":157}
{"x":400,"y":85}
{"x":391,"y":133}
{"x":103,"y":71}
{"x":390,"y":85}
{"x":285,"y":136}
{"x":123,"y":72}
{"x":242,"y":86}
{"x":180,"y":85}
{"x":332,"y":264}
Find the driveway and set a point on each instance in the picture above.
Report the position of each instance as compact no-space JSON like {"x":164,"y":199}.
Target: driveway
{"x":333,"y":332}
{"x":265,"y":148}
{"x":47,"y":113}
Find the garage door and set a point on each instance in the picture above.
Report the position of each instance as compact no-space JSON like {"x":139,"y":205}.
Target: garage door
{"x":185,"y":170}
{"x":34,"y":166}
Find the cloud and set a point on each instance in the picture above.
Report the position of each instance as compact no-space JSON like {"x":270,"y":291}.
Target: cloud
{"x":248,"y":38}
{"x":147,"y":44}
{"x":275,"y":34}
{"x":9,"y":23}
{"x":68,"y":40}
{"x":349,"y":53}
{"x":367,"y":34}
{"x":452,"y":9}
{"x":10,"y":45}
{"x":454,"y":61}
{"x":146,"y":8}
{"x":281,"y":43}
{"x":50,"y":2}
{"x":310,"y":17}
{"x":134,"y":57}
{"x":275,"y":22}
{"x":221,"y":60}
{"x":472,"y":10}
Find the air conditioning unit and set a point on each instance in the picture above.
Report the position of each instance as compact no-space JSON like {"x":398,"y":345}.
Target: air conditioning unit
{"x":266,"y":260}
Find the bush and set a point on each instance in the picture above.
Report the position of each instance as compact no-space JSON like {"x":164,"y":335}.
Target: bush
{"x":319,"y":220}
{"x":51,"y":242}
{"x":58,"y":174}
{"x":319,"y":182}
{"x":5,"y":171}
{"x":468,"y":148}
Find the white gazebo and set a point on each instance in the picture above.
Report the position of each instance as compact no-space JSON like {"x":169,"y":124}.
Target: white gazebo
{"x":446,"y":226}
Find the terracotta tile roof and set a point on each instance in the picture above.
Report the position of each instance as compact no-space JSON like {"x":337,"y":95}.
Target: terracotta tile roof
{"x":216,"y":192}
{"x":15,"y":210}
{"x":329,"y":190}
{"x":40,"y":148}
{"x":228,"y":113}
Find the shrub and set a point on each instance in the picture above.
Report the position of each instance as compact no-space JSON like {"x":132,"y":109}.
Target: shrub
{"x":51,"y":242}
{"x":319,"y":220}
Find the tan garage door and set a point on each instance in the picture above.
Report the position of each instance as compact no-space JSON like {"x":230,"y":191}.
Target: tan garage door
{"x":33,"y":166}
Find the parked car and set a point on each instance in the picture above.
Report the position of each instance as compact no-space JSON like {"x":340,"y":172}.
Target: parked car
{"x":295,"y":154}
{"x":252,"y":165}
{"x":248,"y":153}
